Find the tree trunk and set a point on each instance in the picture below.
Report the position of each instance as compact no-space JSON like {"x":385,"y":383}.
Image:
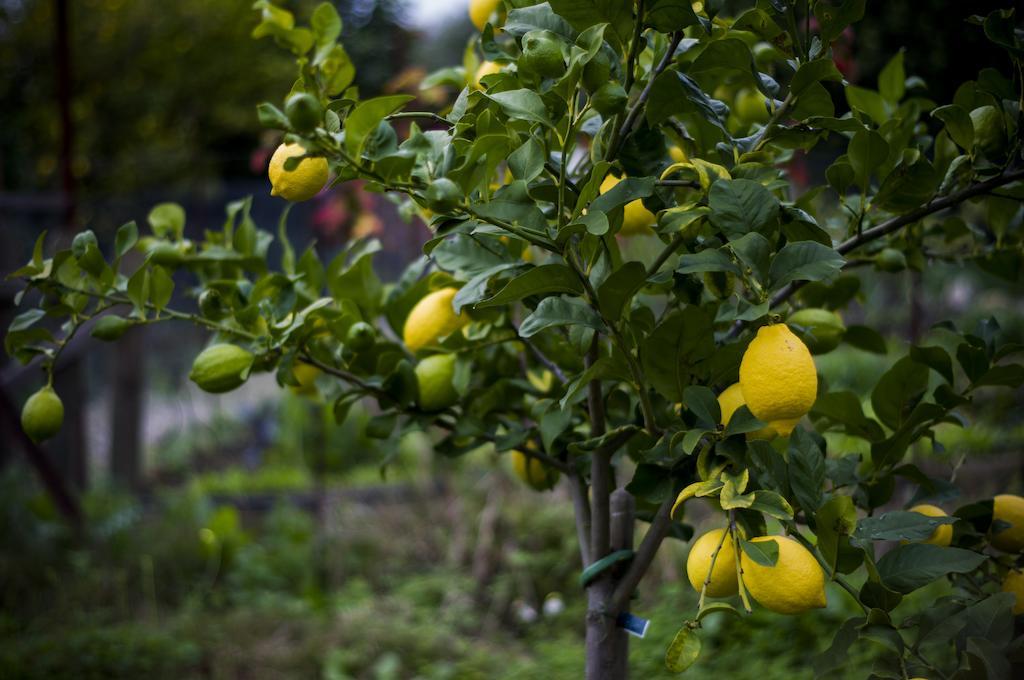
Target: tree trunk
{"x":607,"y":645}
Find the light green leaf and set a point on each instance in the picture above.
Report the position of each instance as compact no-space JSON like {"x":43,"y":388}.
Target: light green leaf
{"x":365,"y":118}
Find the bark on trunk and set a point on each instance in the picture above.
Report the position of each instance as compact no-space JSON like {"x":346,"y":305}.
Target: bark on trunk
{"x":607,"y":645}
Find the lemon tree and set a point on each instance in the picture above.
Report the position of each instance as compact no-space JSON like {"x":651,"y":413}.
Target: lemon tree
{"x":625,"y":292}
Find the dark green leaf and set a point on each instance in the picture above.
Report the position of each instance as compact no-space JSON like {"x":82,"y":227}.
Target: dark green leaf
{"x":542,"y":280}
{"x":739,"y":206}
{"x":560,"y":311}
{"x":806,"y":470}
{"x":898,"y":391}
{"x":804,"y":261}
{"x":909,"y":567}
{"x":765,"y":553}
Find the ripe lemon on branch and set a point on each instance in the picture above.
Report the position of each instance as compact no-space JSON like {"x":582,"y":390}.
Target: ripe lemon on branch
{"x":778,"y":378}
{"x":1007,"y":509}
{"x":535,"y":473}
{"x":730,"y":400}
{"x":480,"y":11}
{"x":637,"y":219}
{"x":722,"y":581}
{"x":432,"y":319}
{"x":943,"y":535}
{"x":300,"y":184}
{"x":793,"y":585}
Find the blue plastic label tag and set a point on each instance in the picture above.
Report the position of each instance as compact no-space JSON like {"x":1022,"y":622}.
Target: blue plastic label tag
{"x":634,"y":625}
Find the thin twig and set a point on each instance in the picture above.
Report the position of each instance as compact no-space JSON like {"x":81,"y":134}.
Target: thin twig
{"x":642,"y":559}
{"x":892,"y":225}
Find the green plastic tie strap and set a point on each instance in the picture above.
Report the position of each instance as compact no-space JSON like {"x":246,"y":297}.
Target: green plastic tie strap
{"x":595,"y":569}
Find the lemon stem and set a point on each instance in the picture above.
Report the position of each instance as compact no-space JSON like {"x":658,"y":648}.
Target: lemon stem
{"x":711,"y":569}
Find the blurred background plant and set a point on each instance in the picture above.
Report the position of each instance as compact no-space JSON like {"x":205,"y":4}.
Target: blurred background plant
{"x":261,"y":540}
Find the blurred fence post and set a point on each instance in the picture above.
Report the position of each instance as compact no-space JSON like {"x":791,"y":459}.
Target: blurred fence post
{"x":126,"y":408}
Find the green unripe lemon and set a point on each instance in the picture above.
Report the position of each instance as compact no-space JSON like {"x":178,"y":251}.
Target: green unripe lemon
{"x":42,"y":415}
{"x":891,"y":260}
{"x":166,"y":254}
{"x":822,"y":331}
{"x":750,"y":106}
{"x":304,"y":112}
{"x":434,"y":376}
{"x":542,"y":54}
{"x":110,"y":327}
{"x":443,"y":195}
{"x":211,"y":305}
{"x":361,"y":336}
{"x":989,"y":129}
{"x":221,"y":368}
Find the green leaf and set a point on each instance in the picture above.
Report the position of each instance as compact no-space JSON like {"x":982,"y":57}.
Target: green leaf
{"x":867,"y":339}
{"x":708,"y":260}
{"x":834,"y":17}
{"x":667,"y":16}
{"x":812,"y":72}
{"x":898,"y":525}
{"x":806,"y":470}
{"x":582,"y":14}
{"x":867,"y":151}
{"x":1003,"y":375}
{"x":892,"y":80}
{"x":909,"y":567}
{"x":167,"y":220}
{"x":614,"y":294}
{"x":869,"y":102}
{"x":161,"y":287}
{"x":743,"y":421}
{"x":958,"y":124}
{"x":845,"y":408}
{"x":898,"y":391}
{"x":739,"y":206}
{"x":754,"y":251}
{"x":560,"y":311}
{"x":765,"y":553}
{"x":772,"y":504}
{"x":326,"y":23}
{"x":527,"y":162}
{"x":674,"y":349}
{"x":522,"y":104}
{"x":703,"y":403}
{"x":545,"y":279}
{"x":804,"y":261}
{"x":683,"y":651}
{"x":936,"y":358}
{"x":833,"y":521}
{"x":126,"y":238}
{"x":365,"y":118}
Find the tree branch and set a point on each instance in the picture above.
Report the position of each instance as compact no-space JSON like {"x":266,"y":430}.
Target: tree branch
{"x":634,"y":111}
{"x":892,"y":225}
{"x":670,"y":248}
{"x":600,"y":474}
{"x":643,"y":558}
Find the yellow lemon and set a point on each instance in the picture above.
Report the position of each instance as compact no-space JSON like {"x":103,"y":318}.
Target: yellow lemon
{"x":677,"y":154}
{"x":300,"y":184}
{"x":637,"y":219}
{"x":1014,"y":583}
{"x":795,"y":584}
{"x":432,"y":319}
{"x":731,"y":399}
{"x":1010,"y":509}
{"x":722,"y":582}
{"x":778,"y":378}
{"x":535,"y":473}
{"x":486,"y":68}
{"x":942,"y":535}
{"x":306,"y":374}
{"x":481,"y":10}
